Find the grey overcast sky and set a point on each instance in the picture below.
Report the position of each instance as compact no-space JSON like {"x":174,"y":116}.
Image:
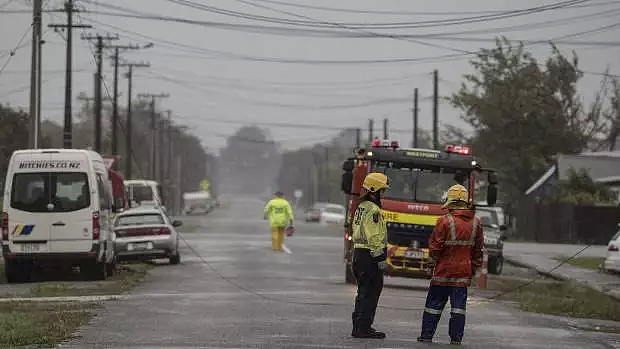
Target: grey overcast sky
{"x":260,"y":72}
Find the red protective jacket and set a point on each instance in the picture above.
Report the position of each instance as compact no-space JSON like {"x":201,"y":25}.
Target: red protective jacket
{"x":455,"y":250}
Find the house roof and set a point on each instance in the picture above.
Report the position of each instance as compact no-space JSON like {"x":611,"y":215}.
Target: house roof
{"x":603,"y":167}
{"x":542,"y":180}
{"x":598,"y":165}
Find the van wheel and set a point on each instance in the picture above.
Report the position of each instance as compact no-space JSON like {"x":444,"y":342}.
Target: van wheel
{"x":94,"y":271}
{"x":175,"y":258}
{"x":349,"y":278}
{"x":17,"y":272}
{"x":496,"y":265}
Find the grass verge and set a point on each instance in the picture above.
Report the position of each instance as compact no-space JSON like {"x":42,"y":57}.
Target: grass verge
{"x":583,"y":262}
{"x":563,"y":298}
{"x":40,"y":324}
{"x":126,"y":277}
{"x":48,"y":323}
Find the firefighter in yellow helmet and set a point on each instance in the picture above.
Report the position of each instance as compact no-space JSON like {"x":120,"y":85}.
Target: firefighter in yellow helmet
{"x":280,"y":215}
{"x":455,"y":246}
{"x":369,"y":238}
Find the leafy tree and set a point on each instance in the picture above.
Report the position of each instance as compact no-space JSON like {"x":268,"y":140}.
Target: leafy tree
{"x":14,"y":135}
{"x":580,"y":189}
{"x":523,"y":112}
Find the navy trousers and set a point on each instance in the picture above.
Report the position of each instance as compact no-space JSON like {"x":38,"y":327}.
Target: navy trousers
{"x":435,"y":302}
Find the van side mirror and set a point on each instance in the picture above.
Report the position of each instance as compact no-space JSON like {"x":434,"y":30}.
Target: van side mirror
{"x":346,"y":184}
{"x":503,"y":227}
{"x":492,"y":178}
{"x":491,"y":194}
{"x":177,"y":223}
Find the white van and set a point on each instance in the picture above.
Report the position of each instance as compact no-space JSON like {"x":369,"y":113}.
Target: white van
{"x":143,"y":192}
{"x":57,"y":210}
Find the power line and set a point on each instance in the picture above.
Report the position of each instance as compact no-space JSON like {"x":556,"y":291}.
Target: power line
{"x":310,"y":22}
{"x":421,"y":13}
{"x":13,"y":51}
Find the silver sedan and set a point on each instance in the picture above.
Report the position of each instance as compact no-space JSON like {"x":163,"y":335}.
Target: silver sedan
{"x":146,"y":233}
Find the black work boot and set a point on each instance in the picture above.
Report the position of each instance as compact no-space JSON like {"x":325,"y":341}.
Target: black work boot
{"x":367,"y":333}
{"x":425,"y":340}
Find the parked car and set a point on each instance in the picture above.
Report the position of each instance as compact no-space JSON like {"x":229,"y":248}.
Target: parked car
{"x":198,"y":202}
{"x":58,"y":209}
{"x":493,"y":228}
{"x":140,"y":192}
{"x":333,"y":213}
{"x":146,"y":233}
{"x":612,"y":260}
{"x":313,"y":214}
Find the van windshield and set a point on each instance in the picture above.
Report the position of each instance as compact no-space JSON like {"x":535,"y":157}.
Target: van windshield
{"x":50,"y":192}
{"x":140,"y":193}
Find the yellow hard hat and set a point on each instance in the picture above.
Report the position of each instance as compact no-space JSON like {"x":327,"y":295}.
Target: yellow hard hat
{"x":457,"y":197}
{"x":375,"y":181}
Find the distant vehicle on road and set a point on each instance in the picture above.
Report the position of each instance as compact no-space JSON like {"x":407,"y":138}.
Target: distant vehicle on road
{"x":333,"y":213}
{"x":145,"y":233}
{"x":612,"y":260}
{"x":141,"y":192}
{"x":58,"y":208}
{"x":325,"y":212}
{"x":313,"y":214}
{"x":198,"y":202}
{"x":493,"y":226}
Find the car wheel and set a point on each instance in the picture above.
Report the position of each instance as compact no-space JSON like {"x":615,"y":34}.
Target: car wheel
{"x":175,"y":258}
{"x":496,"y":265}
{"x":17,"y":272}
{"x":349,"y":278}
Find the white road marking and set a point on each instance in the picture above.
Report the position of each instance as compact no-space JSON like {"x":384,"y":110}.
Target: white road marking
{"x":286,"y":250}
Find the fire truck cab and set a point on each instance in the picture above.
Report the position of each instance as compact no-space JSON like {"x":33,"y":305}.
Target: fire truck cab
{"x":419,"y":180}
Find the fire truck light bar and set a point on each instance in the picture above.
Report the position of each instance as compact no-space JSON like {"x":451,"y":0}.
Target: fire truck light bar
{"x":379,"y":143}
{"x":458,"y":149}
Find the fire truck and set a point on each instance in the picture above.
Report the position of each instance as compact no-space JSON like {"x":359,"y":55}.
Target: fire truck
{"x":419,"y":180}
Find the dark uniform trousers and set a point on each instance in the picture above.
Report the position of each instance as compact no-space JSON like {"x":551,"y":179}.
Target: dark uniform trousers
{"x":369,"y":285}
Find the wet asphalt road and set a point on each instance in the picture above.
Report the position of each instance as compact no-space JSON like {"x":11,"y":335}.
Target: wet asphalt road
{"x":246,"y":296}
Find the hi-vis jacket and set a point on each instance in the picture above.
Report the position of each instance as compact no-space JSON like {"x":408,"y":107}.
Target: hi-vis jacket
{"x":279,"y":213}
{"x":456,"y":247}
{"x":369,"y":229}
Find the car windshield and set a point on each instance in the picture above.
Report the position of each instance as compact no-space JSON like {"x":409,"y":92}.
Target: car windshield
{"x":140,"y":219}
{"x":418,"y":185}
{"x":139,"y":193}
{"x":487,"y":218}
{"x":50,"y":192}
{"x":338,"y":210}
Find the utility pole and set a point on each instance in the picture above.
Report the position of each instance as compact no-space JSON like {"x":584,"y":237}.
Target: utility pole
{"x":386,"y":134}
{"x":153,"y":97}
{"x":115,"y":121}
{"x":68,"y":123}
{"x":414,"y":142}
{"x":371,"y":124}
{"x":98,"y":79}
{"x":358,"y":138}
{"x":435,"y":110}
{"x":128,"y":156}
{"x":35,"y":74}
{"x":326,"y":174}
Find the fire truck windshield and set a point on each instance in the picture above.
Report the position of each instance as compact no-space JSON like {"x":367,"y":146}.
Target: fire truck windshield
{"x":416,"y":185}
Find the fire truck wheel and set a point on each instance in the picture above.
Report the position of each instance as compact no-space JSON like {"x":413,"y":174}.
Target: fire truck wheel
{"x":496,"y":265}
{"x":348,"y":274}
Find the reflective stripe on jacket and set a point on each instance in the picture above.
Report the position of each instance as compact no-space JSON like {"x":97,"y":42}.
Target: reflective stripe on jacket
{"x":456,"y":247}
{"x":369,"y":229}
{"x":279,"y":213}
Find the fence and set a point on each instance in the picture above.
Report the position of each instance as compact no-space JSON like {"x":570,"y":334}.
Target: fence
{"x":565,"y":223}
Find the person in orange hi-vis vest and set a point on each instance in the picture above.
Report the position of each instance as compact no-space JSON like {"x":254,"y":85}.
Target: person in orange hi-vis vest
{"x":455,"y":248}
